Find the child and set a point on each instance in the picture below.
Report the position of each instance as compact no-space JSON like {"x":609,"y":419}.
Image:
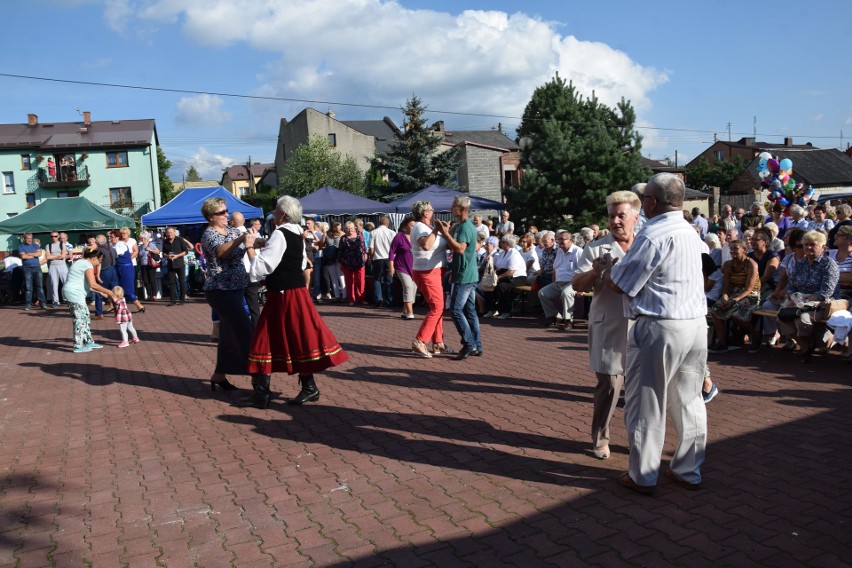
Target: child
{"x":123,"y":318}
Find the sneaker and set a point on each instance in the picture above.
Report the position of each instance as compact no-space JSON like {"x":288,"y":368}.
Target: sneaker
{"x":123,"y":344}
{"x":505,"y":316}
{"x":81,"y":349}
{"x":28,"y":308}
{"x":56,"y":305}
{"x":134,"y":340}
{"x":93,"y":345}
{"x":489,"y":314}
{"x":708,"y":396}
{"x":407,"y":316}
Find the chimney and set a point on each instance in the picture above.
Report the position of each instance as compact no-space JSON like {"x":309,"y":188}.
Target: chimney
{"x":438,"y":126}
{"x":87,"y":118}
{"x":788,"y":141}
{"x":32,"y":119}
{"x":330,"y":113}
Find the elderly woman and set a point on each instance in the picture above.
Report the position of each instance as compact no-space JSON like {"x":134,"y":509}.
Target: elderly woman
{"x":842,"y":255}
{"x":776,"y":215}
{"x":511,"y":271}
{"x":148,"y":254}
{"x":223,"y":247}
{"x":290,"y":336}
{"x":797,"y":217}
{"x":820,"y":221}
{"x":429,"y":250}
{"x":530,"y":256}
{"x":400,"y":263}
{"x":815,"y":276}
{"x":795,"y":251}
{"x":740,"y":297}
{"x":776,"y":245}
{"x":331,"y":263}
{"x":79,"y":282}
{"x":715,"y":245}
{"x":126,"y":251}
{"x":353,"y":257}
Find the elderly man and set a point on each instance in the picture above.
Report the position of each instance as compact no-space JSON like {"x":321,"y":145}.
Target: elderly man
{"x":700,"y":221}
{"x":608,"y":328}
{"x":58,"y":256}
{"x":753,"y":220}
{"x":505,"y":227}
{"x":667,"y":346}
{"x":379,"y":251}
{"x":174,"y":251}
{"x":106,"y":274}
{"x":29,"y":252}
{"x":558,"y":296}
{"x":480,"y":226}
{"x":727,"y":221}
{"x":465,"y":274}
{"x":546,"y":257}
{"x":639,"y":189}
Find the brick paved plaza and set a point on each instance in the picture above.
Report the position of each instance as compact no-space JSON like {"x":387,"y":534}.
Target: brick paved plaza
{"x":124,"y":457}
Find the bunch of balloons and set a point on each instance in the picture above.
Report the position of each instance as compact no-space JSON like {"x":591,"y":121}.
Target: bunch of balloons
{"x":777,"y":176}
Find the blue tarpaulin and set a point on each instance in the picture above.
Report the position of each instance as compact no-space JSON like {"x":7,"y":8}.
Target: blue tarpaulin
{"x":185,"y":208}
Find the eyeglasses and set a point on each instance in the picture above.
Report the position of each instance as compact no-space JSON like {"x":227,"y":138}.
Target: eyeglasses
{"x":55,"y":236}
{"x":222,"y":212}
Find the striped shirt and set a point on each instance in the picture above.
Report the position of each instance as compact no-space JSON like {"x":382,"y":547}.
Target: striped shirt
{"x":661,"y":273}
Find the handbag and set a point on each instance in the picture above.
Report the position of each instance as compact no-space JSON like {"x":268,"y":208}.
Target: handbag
{"x":489,"y":278}
{"x":153,"y":260}
{"x":792,"y":313}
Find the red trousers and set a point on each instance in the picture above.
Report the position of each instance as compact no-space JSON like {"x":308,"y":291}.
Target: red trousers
{"x":354,"y":280}
{"x":429,"y":284}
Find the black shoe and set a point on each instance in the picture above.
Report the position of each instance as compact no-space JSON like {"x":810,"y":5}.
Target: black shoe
{"x":550,"y":321}
{"x":224,"y":385}
{"x":465,"y":353}
{"x":477,"y":353}
{"x":260,"y":396}
{"x":309,"y":392}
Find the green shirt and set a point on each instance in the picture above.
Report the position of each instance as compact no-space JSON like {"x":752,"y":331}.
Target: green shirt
{"x":76,"y":286}
{"x":465,"y":270}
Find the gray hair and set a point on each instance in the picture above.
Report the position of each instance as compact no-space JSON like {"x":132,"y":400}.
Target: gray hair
{"x":772,"y":228}
{"x":588,"y":234}
{"x":419,"y":208}
{"x":713,"y":241}
{"x":550,"y":234}
{"x":511,"y":239}
{"x":671,"y":188}
{"x":619,"y":197}
{"x":638,"y":188}
{"x":844,"y":209}
{"x":462,"y":201}
{"x":290,"y":208}
{"x":797,"y":209}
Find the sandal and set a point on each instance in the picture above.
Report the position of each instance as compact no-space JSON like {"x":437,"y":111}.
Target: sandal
{"x":441,"y":348}
{"x":601,"y":453}
{"x":419,"y":348}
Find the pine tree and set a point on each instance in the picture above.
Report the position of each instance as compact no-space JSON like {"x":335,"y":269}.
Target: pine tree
{"x":416,"y":160}
{"x":166,"y":186}
{"x":580,"y":151}
{"x":192,"y":174}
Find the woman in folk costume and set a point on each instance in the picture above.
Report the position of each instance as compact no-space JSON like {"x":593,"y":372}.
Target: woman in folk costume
{"x":290,"y":335}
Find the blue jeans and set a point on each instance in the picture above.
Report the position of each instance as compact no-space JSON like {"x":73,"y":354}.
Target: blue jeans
{"x":33,"y":280}
{"x":463,"y":309}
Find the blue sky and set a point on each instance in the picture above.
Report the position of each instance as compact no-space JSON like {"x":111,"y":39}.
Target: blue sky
{"x":690,"y":68}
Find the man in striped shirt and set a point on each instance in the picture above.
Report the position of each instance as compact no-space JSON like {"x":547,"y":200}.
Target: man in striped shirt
{"x":662,"y":281}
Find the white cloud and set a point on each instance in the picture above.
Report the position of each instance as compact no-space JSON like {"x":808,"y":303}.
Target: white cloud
{"x":209,"y":165}
{"x":375,"y":52}
{"x":117,"y":14}
{"x":201,"y":110}
{"x":102,"y":62}
{"x":817,"y":117}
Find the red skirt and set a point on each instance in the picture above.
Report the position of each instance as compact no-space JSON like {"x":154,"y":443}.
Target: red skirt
{"x":290,"y":337}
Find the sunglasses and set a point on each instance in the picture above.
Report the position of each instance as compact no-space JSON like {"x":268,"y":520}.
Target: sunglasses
{"x":222,"y":212}
{"x":55,"y":236}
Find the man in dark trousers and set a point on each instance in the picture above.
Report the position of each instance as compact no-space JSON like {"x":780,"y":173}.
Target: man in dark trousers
{"x":106,"y":275}
{"x":174,"y":251}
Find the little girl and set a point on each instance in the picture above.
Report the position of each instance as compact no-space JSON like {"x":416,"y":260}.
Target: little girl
{"x":123,"y":318}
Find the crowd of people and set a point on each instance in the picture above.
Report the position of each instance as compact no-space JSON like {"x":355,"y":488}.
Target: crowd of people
{"x":658,"y":276}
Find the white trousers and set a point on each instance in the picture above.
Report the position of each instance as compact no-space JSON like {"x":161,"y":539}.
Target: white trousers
{"x":557,"y":298}
{"x":58,"y":274}
{"x":666,"y":361}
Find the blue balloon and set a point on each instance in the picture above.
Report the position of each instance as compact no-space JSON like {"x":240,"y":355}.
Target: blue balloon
{"x":786,"y":164}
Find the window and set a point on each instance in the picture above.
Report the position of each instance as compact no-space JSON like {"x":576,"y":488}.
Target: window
{"x":332,"y":140}
{"x":8,"y":183}
{"x":120,"y":197}
{"x":69,"y":193}
{"x":719,"y":155}
{"x":30,"y":200}
{"x":116,"y":159}
{"x":26,"y":162}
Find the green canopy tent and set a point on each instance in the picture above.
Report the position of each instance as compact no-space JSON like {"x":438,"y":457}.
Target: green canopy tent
{"x":65,"y":214}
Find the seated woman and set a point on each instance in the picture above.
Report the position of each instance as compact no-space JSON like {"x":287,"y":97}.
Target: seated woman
{"x":530,"y":256}
{"x":713,"y":279}
{"x":767,"y":262}
{"x":842,"y":255}
{"x":794,"y":251}
{"x":740,"y":296}
{"x":486,"y":298}
{"x":815,"y":276}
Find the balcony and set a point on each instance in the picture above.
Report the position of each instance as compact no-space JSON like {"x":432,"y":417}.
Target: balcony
{"x":77,"y":176}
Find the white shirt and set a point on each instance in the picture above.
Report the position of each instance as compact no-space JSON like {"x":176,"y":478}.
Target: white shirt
{"x":381,"y":242}
{"x":661,"y":274}
{"x":566,"y":263}
{"x":715,"y":292}
{"x":512,"y":260}
{"x":12,"y":261}
{"x":427,"y":259}
{"x":267,"y":259}
{"x":131,"y":243}
{"x":483,"y":228}
{"x":532,"y":255}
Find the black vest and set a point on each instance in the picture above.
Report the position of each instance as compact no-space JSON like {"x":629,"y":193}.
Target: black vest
{"x":288,"y":274}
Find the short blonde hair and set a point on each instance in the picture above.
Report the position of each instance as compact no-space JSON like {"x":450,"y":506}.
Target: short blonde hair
{"x":210,"y":205}
{"x":772,"y":228}
{"x":619,"y":197}
{"x":845,"y":230}
{"x":118,"y":291}
{"x":817,"y":237}
{"x":125,"y":231}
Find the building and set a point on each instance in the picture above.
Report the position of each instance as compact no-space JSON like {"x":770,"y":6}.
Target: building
{"x":490,"y":160}
{"x":236,"y":179}
{"x":745,"y":148}
{"x":361,"y":139}
{"x":111,"y":163}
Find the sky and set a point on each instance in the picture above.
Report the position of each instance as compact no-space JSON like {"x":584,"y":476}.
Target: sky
{"x":694,"y":71}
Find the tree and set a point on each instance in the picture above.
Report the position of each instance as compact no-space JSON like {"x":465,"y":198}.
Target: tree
{"x":317,"y":164}
{"x":704,"y":176}
{"x":192,"y":174}
{"x":167,"y":188}
{"x":579,"y":151}
{"x":416,"y":161}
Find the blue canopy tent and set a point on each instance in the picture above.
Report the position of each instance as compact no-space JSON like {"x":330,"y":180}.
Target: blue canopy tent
{"x":441,"y":199}
{"x":330,"y":201}
{"x":185,"y":208}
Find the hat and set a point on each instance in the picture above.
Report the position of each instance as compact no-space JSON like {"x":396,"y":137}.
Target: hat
{"x":493,"y":241}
